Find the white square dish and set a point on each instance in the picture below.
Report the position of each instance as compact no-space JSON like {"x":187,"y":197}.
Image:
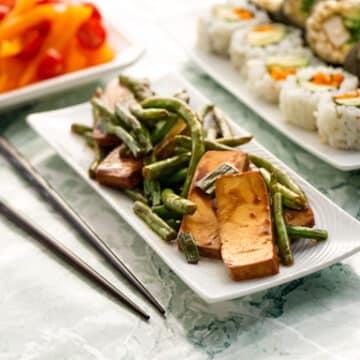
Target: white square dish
{"x":183,"y":30}
{"x":127,"y":50}
{"x":209,"y":278}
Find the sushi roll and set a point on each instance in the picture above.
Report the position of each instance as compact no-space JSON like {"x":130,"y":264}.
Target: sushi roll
{"x":260,"y":41}
{"x":338,"y":120}
{"x":300,"y":94}
{"x":297,"y":11}
{"x":333,"y":29}
{"x":215,"y":29}
{"x":266,"y":76}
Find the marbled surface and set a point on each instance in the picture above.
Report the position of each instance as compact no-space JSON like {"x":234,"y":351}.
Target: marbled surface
{"x":48,"y":311}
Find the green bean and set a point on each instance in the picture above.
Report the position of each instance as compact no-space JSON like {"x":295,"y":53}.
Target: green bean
{"x":80,"y":129}
{"x":162,"y":129}
{"x":155,"y":193}
{"x":222,"y":123}
{"x":149,"y":116}
{"x":122,"y":134}
{"x":185,"y":141}
{"x":85,"y":132}
{"x":93,"y":167}
{"x":159,"y":169}
{"x":152,"y":188}
{"x":282,"y":177}
{"x":234,"y":141}
{"x":140,"y":132}
{"x":185,"y":112}
{"x":177,"y":178}
{"x":100,"y":156}
{"x":103,"y":110}
{"x":139,"y":87}
{"x":175,"y":224}
{"x":177,"y":203}
{"x":307,"y":233}
{"x":290,"y":197}
{"x":166,"y":213}
{"x":158,"y":225}
{"x":205,"y":111}
{"x":283,"y":240}
{"x":188,"y":246}
{"x":136,"y":195}
{"x":207,"y":183}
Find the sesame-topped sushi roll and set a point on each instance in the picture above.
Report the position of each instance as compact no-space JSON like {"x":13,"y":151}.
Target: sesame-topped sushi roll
{"x":266,"y":76}
{"x":262,"y":40}
{"x":297,"y":11}
{"x":300,"y":94}
{"x":216,"y":28}
{"x":338,"y":120}
{"x":333,"y":29}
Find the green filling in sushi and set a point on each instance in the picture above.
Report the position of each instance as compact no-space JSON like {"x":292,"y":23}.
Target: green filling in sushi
{"x":267,"y":34}
{"x":348,"y":99}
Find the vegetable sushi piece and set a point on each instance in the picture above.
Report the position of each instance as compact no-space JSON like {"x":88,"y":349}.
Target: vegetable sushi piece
{"x":297,"y":11}
{"x":216,"y":28}
{"x":300,"y":94}
{"x":333,"y":29}
{"x":338,"y":120}
{"x":261,"y":41}
{"x":266,"y":76}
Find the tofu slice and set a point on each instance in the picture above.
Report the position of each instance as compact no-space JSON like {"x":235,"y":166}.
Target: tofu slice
{"x":117,"y":172}
{"x":246,"y":234}
{"x":303,"y":217}
{"x":203,"y":223}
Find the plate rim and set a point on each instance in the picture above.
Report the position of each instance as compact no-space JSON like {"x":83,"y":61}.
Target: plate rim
{"x":32,"y":121}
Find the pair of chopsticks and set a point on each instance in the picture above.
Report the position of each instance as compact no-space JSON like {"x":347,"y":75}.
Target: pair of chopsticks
{"x":44,"y":188}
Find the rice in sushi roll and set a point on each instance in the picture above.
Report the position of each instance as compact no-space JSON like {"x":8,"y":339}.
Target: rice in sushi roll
{"x":333,"y":29}
{"x":214,"y":30}
{"x":266,"y":76}
{"x":300,"y":94}
{"x":297,"y":11}
{"x":261,"y":41}
{"x":338,"y":120}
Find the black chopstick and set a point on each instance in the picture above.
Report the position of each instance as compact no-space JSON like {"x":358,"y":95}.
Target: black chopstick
{"x":69,"y":256}
{"x":50,"y":195}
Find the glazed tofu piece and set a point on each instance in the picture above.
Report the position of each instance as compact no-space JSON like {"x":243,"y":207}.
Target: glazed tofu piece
{"x":303,"y":217}
{"x":117,"y":172}
{"x":245,"y":227}
{"x":203,"y":223}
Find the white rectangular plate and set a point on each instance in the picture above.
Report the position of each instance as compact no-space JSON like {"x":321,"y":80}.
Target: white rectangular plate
{"x":183,"y":29}
{"x":127,"y":50}
{"x":209,"y":278}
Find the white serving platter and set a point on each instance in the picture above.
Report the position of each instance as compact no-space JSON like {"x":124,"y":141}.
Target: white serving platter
{"x":209,"y":279}
{"x":127,"y":49}
{"x":183,"y":30}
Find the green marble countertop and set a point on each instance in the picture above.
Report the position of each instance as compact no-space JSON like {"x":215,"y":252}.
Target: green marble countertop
{"x":48,"y":311}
